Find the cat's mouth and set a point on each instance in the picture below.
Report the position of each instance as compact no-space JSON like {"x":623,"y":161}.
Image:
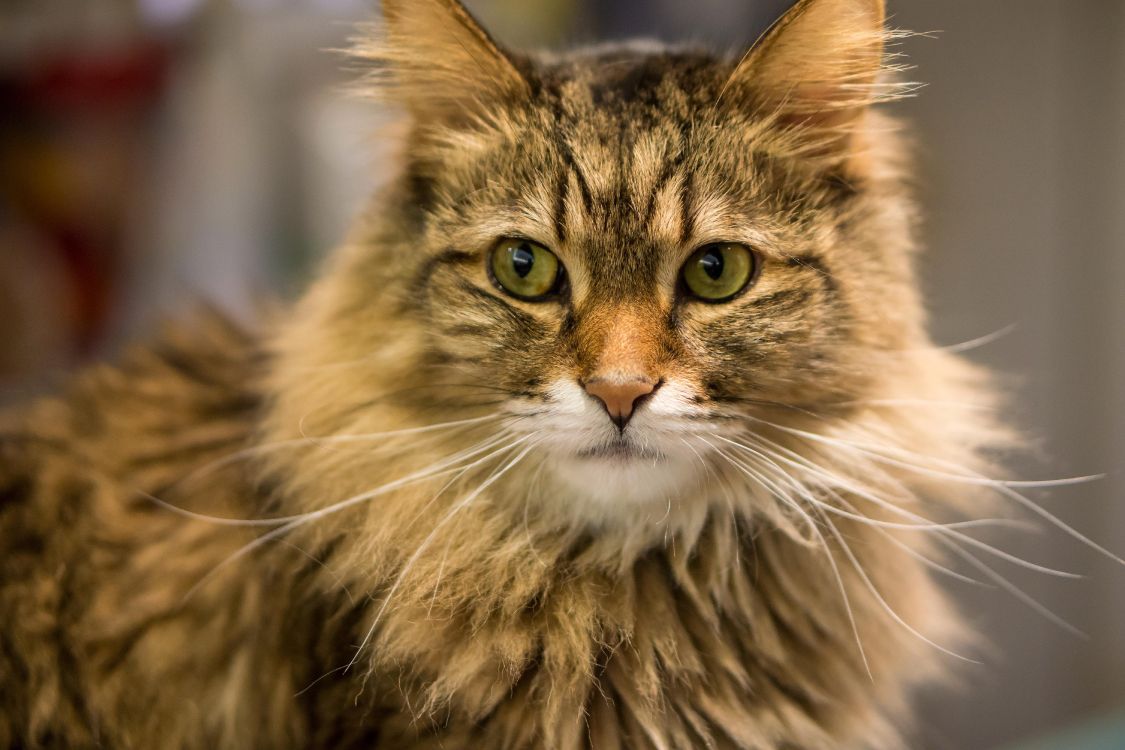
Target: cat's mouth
{"x":621,"y":450}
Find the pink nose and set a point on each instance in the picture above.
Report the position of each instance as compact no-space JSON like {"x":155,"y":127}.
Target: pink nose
{"x":620,"y":399}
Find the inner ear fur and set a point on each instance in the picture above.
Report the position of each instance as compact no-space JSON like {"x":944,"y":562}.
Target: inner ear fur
{"x":819,"y":67}
{"x":434,"y":58}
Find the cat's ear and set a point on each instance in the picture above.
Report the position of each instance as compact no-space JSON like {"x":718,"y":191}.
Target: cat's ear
{"x":819,"y":65}
{"x":433,"y":57}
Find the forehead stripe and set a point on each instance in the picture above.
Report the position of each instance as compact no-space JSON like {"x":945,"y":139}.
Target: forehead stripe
{"x":562,"y":191}
{"x":567,"y":155}
{"x":687,"y":198}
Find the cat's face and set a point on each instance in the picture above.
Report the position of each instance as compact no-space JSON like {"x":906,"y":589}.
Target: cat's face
{"x":624,"y":254}
{"x":571,"y":237}
{"x":636,"y":249}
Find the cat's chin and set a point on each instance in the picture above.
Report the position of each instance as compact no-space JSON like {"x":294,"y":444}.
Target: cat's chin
{"x":619,"y":477}
{"x":621,"y":452}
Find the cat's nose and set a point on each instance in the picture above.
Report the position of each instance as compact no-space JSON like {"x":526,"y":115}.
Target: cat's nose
{"x":620,"y":398}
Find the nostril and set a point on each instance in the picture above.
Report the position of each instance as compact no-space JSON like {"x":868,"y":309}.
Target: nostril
{"x":639,"y":400}
{"x":621,"y":397}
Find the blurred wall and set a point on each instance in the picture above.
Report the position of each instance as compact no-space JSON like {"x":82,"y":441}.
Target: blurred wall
{"x":1022,"y":177}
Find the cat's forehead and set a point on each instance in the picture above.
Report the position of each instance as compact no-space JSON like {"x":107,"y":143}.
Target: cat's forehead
{"x":625,"y":159}
{"x":616,"y":97}
{"x":632,"y":78}
{"x":625,"y":143}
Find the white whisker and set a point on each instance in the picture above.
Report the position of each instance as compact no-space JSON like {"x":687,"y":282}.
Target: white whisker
{"x":299,"y":520}
{"x":439,"y":469}
{"x":921,"y":523}
{"x":895,"y":403}
{"x":1005,"y":488}
{"x":326,"y":440}
{"x":879,"y":453}
{"x":927,"y":561}
{"x":831,"y":560}
{"x":453,"y":511}
{"x":980,"y":341}
{"x":324,"y":566}
{"x":854,"y":489}
{"x":1011,"y":588}
{"x":879,"y":597}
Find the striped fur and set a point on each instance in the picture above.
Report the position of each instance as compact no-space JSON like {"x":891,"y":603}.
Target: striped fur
{"x":388,"y":520}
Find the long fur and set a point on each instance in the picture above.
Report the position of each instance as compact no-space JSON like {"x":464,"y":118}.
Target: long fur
{"x":369,"y":524}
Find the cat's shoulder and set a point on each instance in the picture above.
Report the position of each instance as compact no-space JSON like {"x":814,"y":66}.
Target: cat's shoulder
{"x":87,"y":546}
{"x":193,"y":390}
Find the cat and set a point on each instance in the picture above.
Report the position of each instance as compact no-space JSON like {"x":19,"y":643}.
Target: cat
{"x":614,"y":424}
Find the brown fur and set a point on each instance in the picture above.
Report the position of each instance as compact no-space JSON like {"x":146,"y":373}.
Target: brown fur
{"x":380,"y":598}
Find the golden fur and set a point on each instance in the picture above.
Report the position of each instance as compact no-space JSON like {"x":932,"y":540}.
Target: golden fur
{"x":386,"y":522}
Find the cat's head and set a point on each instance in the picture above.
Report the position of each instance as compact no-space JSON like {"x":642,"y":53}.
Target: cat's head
{"x":630,"y":252}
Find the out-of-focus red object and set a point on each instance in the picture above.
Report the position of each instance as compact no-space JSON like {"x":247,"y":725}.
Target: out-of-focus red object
{"x":70,"y":147}
{"x":93,"y":82}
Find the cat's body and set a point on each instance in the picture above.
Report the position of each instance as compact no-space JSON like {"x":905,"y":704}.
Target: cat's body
{"x":460,"y":548}
{"x":107,"y":644}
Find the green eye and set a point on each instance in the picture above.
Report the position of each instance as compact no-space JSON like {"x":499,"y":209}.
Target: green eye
{"x":524,"y":269}
{"x":719,"y":272}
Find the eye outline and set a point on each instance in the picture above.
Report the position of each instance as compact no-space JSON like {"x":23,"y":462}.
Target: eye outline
{"x":558,"y":287}
{"x":756,"y":264}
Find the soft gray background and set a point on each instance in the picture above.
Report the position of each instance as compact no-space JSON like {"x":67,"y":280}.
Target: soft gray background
{"x":1022,"y":154}
{"x":253,"y":164}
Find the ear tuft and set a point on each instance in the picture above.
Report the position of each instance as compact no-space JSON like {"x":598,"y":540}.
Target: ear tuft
{"x":820,"y":65}
{"x":433,"y":57}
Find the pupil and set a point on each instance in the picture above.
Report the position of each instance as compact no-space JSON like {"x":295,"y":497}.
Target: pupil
{"x":522,"y":261}
{"x":712,"y":264}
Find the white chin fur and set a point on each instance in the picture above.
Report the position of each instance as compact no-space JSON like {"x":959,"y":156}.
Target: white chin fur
{"x":627,"y":484}
{"x":663,"y":473}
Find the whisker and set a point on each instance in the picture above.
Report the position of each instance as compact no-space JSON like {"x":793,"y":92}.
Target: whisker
{"x":879,"y":453}
{"x":947,"y":529}
{"x":408,"y":566}
{"x":924,"y":526}
{"x":258,"y":450}
{"x":774,"y":489}
{"x":1012,"y":588}
{"x":882,"y":601}
{"x":932,"y":564}
{"x":436,"y":470}
{"x":1005,"y":488}
{"x":835,"y":570}
{"x":299,"y":520}
{"x":338,"y":578}
{"x":981,"y":341}
{"x":1058,"y":523}
{"x":927,"y":561}
{"x":337,"y":439}
{"x":951,"y":539}
{"x":314,"y":683}
{"x":896,"y":403}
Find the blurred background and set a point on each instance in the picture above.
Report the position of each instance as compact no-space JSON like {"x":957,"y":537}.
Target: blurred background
{"x":155,"y":152}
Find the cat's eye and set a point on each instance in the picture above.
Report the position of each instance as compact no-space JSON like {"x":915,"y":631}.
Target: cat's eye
{"x":719,"y":272}
{"x":525,"y":269}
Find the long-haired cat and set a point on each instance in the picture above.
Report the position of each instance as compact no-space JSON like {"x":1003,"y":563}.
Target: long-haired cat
{"x":615,"y":424}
